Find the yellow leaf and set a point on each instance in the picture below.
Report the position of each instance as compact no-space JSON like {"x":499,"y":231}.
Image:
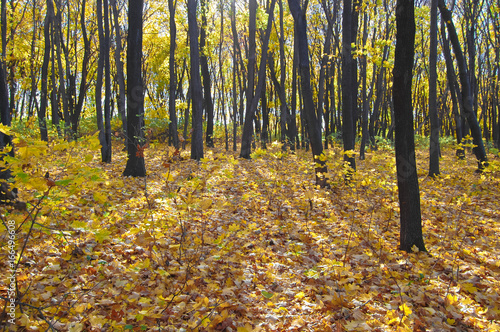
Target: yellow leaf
{"x":5,"y":129}
{"x":450,"y":321}
{"x":405,"y":309}
{"x":300,"y":295}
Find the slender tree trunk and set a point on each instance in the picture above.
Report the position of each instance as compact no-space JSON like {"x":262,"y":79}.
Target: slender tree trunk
{"x":173,"y":76}
{"x":281,"y":92}
{"x":454,"y":90}
{"x":75,"y":117}
{"x":101,"y":64}
{"x":135,"y":93}
{"x":207,"y":85}
{"x":196,"y":90}
{"x":433,"y":113}
{"x":120,"y":77}
{"x":364,"y":134}
{"x":314,"y":129}
{"x":409,"y":197}
{"x":467,"y":99}
{"x":42,"y":120}
{"x":235,"y":70}
{"x":5,"y":115}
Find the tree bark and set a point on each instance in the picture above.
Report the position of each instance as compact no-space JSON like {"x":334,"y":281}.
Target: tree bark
{"x":135,"y":94}
{"x":467,"y":99}
{"x":174,"y":136}
{"x":433,"y":113}
{"x":120,"y":77}
{"x":347,"y":92}
{"x":409,"y":197}
{"x":313,"y":126}
{"x":196,"y":90}
{"x":247,"y":133}
{"x":42,"y":120}
{"x":207,"y":84}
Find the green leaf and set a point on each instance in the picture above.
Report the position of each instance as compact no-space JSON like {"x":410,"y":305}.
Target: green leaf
{"x":267,"y":295}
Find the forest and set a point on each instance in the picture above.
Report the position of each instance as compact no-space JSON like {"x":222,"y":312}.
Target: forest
{"x":249,"y":165}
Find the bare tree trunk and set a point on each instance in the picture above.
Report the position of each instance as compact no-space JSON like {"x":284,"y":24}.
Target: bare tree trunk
{"x":467,"y":99}
{"x":433,"y":113}
{"x":173,"y":76}
{"x":207,"y":84}
{"x":196,"y":90}
{"x":135,"y":93}
{"x":347,"y":84}
{"x":409,"y":197}
{"x":120,"y":77}
{"x":314,"y":129}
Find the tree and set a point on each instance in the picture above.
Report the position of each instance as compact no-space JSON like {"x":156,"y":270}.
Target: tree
{"x":467,"y":99}
{"x":103,"y":66}
{"x":246,"y":136}
{"x":347,"y":83}
{"x":42,"y":121}
{"x":173,"y":76}
{"x":409,"y":194}
{"x":261,"y":78}
{"x":135,"y":93}
{"x":120,"y":77}
{"x":207,"y":86}
{"x":313,"y":127}
{"x":433,"y":114}
{"x":196,"y":91}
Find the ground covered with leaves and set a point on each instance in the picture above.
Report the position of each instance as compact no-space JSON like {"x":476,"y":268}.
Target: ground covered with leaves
{"x":247,"y":245}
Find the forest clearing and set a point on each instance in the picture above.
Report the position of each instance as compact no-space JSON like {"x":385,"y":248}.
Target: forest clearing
{"x":229,"y":244}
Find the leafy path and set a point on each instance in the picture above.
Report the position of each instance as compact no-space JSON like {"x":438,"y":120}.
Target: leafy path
{"x":237,"y":245}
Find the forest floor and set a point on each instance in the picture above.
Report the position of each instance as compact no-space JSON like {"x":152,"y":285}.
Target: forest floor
{"x":248,"y":245}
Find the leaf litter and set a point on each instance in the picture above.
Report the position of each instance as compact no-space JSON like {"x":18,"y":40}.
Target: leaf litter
{"x":228,"y":244}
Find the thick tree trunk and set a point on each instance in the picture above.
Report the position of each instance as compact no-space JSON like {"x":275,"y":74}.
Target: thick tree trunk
{"x":135,"y":93}
{"x":247,"y":133}
{"x":196,"y":90}
{"x":467,"y":98}
{"x":313,"y":126}
{"x":409,"y":197}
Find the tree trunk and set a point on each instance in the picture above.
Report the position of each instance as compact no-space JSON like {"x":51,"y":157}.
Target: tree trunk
{"x":135,"y":93}
{"x":409,"y":196}
{"x":103,"y":61}
{"x":364,"y":125}
{"x":247,"y":134}
{"x":207,"y":85}
{"x":173,"y":77}
{"x":313,"y":126}
{"x":235,"y":70}
{"x":347,"y":84}
{"x":42,"y":120}
{"x":120,"y":77}
{"x":467,"y":99}
{"x":75,"y":116}
{"x":433,"y":113}
{"x":196,"y":90}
